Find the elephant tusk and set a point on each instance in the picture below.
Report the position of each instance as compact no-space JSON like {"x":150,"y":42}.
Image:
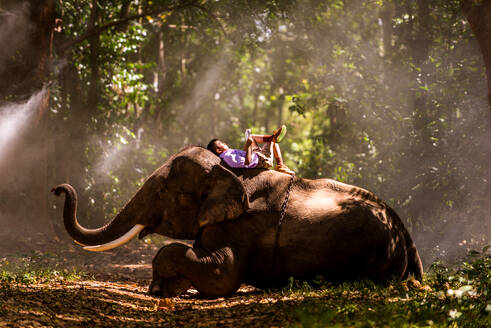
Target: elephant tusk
{"x":118,"y":242}
{"x":80,"y":244}
{"x":203,"y":223}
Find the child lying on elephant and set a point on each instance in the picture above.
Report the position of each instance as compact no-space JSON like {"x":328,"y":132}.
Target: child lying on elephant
{"x":253,"y":156}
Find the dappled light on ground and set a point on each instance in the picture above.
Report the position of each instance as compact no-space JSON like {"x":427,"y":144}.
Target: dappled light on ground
{"x":98,"y":303}
{"x":101,"y":304}
{"x":67,"y":287}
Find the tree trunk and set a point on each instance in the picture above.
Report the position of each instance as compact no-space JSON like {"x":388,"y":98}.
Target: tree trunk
{"x":419,"y":40}
{"x":281,"y":102}
{"x":386,"y":15}
{"x":255,"y":106}
{"x":160,"y":79}
{"x":43,"y":14}
{"x":24,"y":172}
{"x":93,"y":96}
{"x":478,"y":13}
{"x":125,"y":12}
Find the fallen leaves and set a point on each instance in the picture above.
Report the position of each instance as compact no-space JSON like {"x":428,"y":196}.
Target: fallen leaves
{"x":164,"y":304}
{"x":98,"y":303}
{"x":415,"y":284}
{"x":116,"y":300}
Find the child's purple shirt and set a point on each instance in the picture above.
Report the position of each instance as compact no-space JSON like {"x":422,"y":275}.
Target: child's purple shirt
{"x":236,"y":158}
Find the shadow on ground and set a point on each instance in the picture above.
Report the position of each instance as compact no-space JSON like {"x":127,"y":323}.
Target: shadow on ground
{"x":106,"y":304}
{"x":61,"y":285}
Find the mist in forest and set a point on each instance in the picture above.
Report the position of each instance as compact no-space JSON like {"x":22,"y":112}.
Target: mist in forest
{"x":204,"y":88}
{"x":14,"y":29}
{"x":19,"y":116}
{"x":19,"y":160}
{"x":449,"y":240}
{"x":14,"y":118}
{"x":113,"y":154}
{"x":441,"y":232}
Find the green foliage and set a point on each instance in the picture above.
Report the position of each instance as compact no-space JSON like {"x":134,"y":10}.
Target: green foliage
{"x":451,"y":298}
{"x":32,"y":269}
{"x":372,"y":95}
{"x":448,"y":297}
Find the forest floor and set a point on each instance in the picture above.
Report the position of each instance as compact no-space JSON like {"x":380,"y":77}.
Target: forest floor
{"x":63,"y":286}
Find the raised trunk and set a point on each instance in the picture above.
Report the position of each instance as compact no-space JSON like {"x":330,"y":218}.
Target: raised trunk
{"x":115,"y":229}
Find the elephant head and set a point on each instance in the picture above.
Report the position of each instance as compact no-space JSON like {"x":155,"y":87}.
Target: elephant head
{"x":190,"y":190}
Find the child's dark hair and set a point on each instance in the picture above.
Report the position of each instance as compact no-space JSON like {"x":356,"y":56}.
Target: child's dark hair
{"x":212,"y":146}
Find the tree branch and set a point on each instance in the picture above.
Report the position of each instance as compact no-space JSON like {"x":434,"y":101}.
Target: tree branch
{"x":215,"y":18}
{"x":96,"y":30}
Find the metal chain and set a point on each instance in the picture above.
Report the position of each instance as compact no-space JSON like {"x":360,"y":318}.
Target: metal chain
{"x":285,"y":202}
{"x":280,"y":220}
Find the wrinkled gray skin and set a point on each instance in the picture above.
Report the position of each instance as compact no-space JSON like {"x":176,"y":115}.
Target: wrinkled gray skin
{"x":330,"y":228}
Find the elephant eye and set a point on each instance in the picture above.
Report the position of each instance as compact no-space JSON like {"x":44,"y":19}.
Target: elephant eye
{"x":163,"y":191}
{"x":186,"y":196}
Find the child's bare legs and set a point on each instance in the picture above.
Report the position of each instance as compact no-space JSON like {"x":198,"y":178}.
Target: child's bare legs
{"x":276,"y":136}
{"x":269,"y":139}
{"x":252,"y":142}
{"x":277,"y":154}
{"x":280,"y":166}
{"x":261,"y":138}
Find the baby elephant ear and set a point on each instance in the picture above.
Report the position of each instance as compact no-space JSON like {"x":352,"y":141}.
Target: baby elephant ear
{"x":223,"y":197}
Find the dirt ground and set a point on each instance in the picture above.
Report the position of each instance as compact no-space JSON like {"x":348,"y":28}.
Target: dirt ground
{"x":98,"y":303}
{"x":110,"y":290}
{"x":58,"y":284}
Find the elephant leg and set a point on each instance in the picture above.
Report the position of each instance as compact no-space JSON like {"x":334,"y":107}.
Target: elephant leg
{"x":177,"y":266}
{"x":168,"y":287}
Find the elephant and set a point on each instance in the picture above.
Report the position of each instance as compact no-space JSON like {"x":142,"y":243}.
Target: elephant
{"x":328,"y":228}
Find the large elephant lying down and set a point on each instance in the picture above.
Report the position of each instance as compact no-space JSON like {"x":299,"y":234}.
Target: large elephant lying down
{"x":330,"y":228}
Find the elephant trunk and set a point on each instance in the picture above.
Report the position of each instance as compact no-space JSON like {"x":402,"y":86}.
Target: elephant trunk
{"x":115,"y":233}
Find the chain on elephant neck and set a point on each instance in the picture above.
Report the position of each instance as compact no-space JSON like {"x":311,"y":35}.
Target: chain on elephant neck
{"x":280,"y":221}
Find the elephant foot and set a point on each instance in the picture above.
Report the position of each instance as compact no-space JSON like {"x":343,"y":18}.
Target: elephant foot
{"x":168,"y":287}
{"x":177,"y":266}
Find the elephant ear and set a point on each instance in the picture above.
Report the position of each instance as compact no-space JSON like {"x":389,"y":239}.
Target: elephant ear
{"x":223,"y":197}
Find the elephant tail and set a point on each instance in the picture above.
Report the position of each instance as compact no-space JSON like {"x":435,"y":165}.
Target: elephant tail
{"x":414,"y":264}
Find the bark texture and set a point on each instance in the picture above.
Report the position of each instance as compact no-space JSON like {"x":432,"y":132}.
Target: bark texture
{"x":478,"y":13}
{"x":24,"y":169}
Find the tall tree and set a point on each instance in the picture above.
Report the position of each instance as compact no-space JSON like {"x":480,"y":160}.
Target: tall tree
{"x":23,"y":182}
{"x":43,"y":15}
{"x":478,"y":13}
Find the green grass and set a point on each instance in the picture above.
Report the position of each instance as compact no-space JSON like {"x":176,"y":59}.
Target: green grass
{"x":455,"y":298}
{"x":458,"y":297}
{"x":36,"y":268}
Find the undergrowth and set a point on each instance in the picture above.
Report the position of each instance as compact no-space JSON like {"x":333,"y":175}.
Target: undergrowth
{"x":36,"y":268}
{"x":448,"y":297}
